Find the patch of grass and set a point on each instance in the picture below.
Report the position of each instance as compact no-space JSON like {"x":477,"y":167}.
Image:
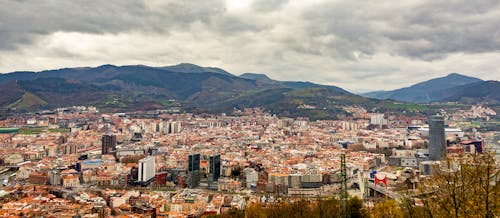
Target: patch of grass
{"x":113,"y":102}
{"x":305,"y":93}
{"x":27,"y":101}
{"x":61,"y":130}
{"x":30,"y":131}
{"x":166,"y":103}
{"x":408,"y":107}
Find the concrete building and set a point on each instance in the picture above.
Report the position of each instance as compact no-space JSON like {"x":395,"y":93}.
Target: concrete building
{"x":175,"y":127}
{"x":171,"y":127}
{"x":70,"y":180}
{"x":403,"y":161}
{"x":147,"y":169}
{"x":54,"y":177}
{"x":295,"y":180}
{"x":378,"y":119}
{"x":311,"y":180}
{"x":285,"y":122}
{"x":251,"y":177}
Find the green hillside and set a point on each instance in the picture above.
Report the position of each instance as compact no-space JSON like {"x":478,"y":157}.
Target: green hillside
{"x":27,"y":101}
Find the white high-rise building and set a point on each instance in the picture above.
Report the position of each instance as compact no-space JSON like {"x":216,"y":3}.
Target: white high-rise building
{"x":175,"y":127}
{"x":170,"y":127}
{"x":378,"y":119}
{"x":147,"y":169}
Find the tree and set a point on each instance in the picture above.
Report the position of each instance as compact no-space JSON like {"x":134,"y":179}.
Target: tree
{"x":410,"y":209}
{"x":232,"y":213}
{"x":355,"y":208}
{"x":322,"y":208}
{"x":486,"y":190}
{"x":255,"y":211}
{"x":327,"y":208}
{"x":462,"y":186}
{"x":387,"y":209}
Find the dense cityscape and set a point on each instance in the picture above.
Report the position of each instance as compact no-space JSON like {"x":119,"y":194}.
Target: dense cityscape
{"x":78,"y":161}
{"x":249,"y":109}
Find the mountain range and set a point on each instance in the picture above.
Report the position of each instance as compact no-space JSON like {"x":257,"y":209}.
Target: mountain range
{"x":138,"y":87}
{"x":208,"y":89}
{"x":453,"y":87}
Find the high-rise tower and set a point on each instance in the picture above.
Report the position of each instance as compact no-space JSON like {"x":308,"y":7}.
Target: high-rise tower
{"x":437,"y":143}
{"x":193,"y":170}
{"x":215,"y":167}
{"x":214,"y":173}
{"x":108,"y":143}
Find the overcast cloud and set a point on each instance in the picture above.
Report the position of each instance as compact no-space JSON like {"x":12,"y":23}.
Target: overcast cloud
{"x":357,"y":45}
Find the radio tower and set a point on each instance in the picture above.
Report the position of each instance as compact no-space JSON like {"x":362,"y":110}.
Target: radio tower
{"x":343,"y":186}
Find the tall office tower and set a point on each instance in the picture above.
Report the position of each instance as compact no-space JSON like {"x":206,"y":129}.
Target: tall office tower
{"x":108,"y":143}
{"x":194,"y":162}
{"x":193,"y":170}
{"x":437,"y":143}
{"x":214,"y":173}
{"x":147,"y":169}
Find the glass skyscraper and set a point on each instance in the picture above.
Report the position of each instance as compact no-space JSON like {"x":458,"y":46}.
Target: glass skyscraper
{"x":193,"y":170}
{"x":215,"y":167}
{"x":437,"y":143}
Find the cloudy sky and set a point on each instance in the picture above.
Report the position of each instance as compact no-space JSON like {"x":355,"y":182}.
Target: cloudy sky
{"x":358,"y":45}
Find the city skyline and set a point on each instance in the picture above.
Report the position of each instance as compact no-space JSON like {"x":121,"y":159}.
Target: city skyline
{"x":354,"y":45}
{"x":249,"y":108}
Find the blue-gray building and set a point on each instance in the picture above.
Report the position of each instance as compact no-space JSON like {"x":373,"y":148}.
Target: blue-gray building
{"x":193,"y":170}
{"x":437,"y":142}
{"x":214,"y":171}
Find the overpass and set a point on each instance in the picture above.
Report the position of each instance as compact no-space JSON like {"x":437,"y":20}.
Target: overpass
{"x":380,"y":188}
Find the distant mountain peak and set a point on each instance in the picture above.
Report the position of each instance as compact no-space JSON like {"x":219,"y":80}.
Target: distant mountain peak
{"x":458,"y":75}
{"x":193,"y":68}
{"x":452,"y":79}
{"x":256,"y":76}
{"x":426,"y":91}
{"x":474,"y":93}
{"x":102,"y":66}
{"x":455,"y":74}
{"x":186,"y":65}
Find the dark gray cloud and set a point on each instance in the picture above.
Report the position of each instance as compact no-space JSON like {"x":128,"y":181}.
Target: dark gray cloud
{"x":439,"y":28}
{"x":354,"y":44}
{"x":21,"y":21}
{"x":428,"y":30}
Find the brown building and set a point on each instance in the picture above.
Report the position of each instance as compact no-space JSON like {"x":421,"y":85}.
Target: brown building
{"x":108,"y":144}
{"x":39,"y":178}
